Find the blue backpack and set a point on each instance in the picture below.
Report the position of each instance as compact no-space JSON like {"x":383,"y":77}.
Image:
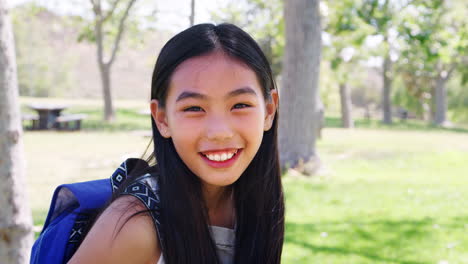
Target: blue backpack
{"x":69,"y":212}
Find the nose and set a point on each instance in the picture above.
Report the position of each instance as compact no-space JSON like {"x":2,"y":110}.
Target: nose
{"x":218,"y":129}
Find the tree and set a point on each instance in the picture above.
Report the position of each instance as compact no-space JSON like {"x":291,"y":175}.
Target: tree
{"x":115,"y":14}
{"x":40,"y":72}
{"x":383,"y":16}
{"x":435,"y":35}
{"x":299,"y":91}
{"x":15,"y":216}
{"x":192,"y":12}
{"x":264,"y":20}
{"x":347,"y":34}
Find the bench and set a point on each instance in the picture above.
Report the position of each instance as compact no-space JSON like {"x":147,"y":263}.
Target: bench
{"x":33,"y":118}
{"x":64,"y":122}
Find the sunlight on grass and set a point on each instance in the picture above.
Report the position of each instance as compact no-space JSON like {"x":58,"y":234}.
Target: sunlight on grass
{"x":383,"y":197}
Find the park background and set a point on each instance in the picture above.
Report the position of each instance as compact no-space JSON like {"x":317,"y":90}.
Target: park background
{"x":387,"y":190}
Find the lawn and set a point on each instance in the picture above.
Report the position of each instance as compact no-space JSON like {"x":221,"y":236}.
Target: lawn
{"x":384,"y":195}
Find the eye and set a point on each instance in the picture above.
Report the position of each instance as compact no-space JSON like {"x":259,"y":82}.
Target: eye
{"x":193,"y":109}
{"x":241,"y":105}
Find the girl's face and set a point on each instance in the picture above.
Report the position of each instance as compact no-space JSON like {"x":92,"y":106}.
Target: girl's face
{"x":215,"y":114}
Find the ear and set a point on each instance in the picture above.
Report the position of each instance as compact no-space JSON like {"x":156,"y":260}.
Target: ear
{"x":159,"y":116}
{"x":271,"y":107}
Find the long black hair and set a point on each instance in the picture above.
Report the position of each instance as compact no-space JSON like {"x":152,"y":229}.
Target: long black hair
{"x":258,"y":192}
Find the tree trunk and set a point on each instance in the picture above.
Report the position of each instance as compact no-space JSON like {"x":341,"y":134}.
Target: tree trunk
{"x":15,"y":214}
{"x":299,"y":90}
{"x":192,"y":13}
{"x":346,"y":106}
{"x":109,"y":112}
{"x":104,"y":70}
{"x":440,"y":117}
{"x":386,"y":91}
{"x":105,"y":65}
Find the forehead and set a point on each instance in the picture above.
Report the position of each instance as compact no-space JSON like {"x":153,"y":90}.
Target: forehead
{"x":212,"y":74}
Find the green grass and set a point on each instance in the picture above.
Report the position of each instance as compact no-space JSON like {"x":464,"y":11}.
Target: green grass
{"x":398,"y":124}
{"x":385,"y":194}
{"x":382,"y":197}
{"x":126,"y":120}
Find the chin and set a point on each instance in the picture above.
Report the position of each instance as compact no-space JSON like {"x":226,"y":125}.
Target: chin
{"x":220,"y":182}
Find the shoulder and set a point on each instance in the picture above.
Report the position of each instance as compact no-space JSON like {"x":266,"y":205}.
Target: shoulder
{"x":120,"y":236}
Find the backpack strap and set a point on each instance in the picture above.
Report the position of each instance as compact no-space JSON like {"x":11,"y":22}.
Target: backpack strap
{"x":122,"y":172}
{"x":146,"y":189}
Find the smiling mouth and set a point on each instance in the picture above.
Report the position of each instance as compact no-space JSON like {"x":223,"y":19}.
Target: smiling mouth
{"x":220,"y":156}
{"x":221,"y":159}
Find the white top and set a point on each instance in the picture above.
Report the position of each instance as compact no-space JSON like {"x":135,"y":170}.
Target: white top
{"x":224,"y":239}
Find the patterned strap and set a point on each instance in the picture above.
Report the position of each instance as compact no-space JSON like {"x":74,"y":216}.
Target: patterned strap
{"x":142,"y":191}
{"x":119,"y":176}
{"x":145,"y":188}
{"x":76,"y":236}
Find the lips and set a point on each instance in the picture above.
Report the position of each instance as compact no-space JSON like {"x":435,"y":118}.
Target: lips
{"x":221,"y":158}
{"x":220,"y":155}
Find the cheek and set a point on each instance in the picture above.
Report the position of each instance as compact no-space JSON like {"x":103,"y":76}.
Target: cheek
{"x":185,"y":148}
{"x":184,"y":128}
{"x":252,"y":127}
{"x":254,"y":121}
{"x":184,"y":134}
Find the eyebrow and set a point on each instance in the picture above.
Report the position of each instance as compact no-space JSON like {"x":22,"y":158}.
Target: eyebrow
{"x":195,"y":95}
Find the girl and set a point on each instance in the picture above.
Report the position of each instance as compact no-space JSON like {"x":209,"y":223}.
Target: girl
{"x":214,"y":121}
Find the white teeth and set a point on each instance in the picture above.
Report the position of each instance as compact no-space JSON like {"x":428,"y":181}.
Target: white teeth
{"x":220,"y":157}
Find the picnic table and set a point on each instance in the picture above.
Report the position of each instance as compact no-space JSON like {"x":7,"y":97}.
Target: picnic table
{"x":47,"y":114}
{"x":65,"y":121}
{"x":50,"y":117}
{"x":33,"y":118}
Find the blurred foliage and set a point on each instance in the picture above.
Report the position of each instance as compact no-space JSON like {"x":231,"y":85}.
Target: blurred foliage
{"x":434,"y":45}
{"x":133,"y":24}
{"x":458,"y":100}
{"x":344,"y":50}
{"x":40,"y":72}
{"x":347,"y":34}
{"x":263,"y":19}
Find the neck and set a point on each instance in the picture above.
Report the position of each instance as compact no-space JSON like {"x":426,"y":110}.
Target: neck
{"x":220,"y":206}
{"x":215,"y":196}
